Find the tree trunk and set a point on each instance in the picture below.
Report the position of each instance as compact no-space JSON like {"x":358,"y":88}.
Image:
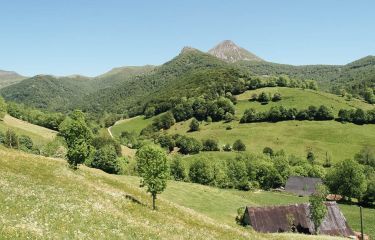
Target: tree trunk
{"x":153,"y":201}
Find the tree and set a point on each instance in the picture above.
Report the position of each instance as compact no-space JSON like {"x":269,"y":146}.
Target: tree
{"x":78,"y":137}
{"x":177,"y":169}
{"x":152,"y":167}
{"x":318,"y":209}
{"x":149,"y":112}
{"x":11,"y":139}
{"x":238,"y":145}
{"x":194,"y":125}
{"x":324,"y":113}
{"x":189,"y":145}
{"x":369,"y":95}
{"x":347,"y":178}
{"x":105,"y":159}
{"x":201,"y":172}
{"x":3,"y":108}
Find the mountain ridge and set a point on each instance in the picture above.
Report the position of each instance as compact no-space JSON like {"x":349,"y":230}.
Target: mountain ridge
{"x":228,"y":51}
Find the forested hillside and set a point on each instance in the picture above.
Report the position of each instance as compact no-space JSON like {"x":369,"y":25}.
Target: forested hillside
{"x":355,"y":78}
{"x":8,"y":78}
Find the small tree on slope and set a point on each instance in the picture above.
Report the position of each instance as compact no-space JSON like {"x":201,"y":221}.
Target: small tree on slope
{"x":153,"y":168}
{"x":318,"y":209}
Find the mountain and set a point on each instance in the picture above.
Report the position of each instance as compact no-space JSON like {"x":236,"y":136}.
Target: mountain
{"x":49,"y":92}
{"x":8,"y":78}
{"x":230,"y":52}
{"x":190,"y":73}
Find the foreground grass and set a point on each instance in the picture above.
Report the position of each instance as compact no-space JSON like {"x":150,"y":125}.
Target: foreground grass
{"x":222,"y":204}
{"x":40,"y":198}
{"x":39,"y":135}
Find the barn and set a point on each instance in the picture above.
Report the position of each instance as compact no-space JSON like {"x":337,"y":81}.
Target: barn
{"x":302,"y":186}
{"x":295,"y":218}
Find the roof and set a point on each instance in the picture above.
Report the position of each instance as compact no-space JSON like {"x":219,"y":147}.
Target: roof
{"x":283,"y":218}
{"x":302,"y":186}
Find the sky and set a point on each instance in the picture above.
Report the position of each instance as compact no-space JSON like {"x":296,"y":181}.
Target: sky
{"x":90,"y":37}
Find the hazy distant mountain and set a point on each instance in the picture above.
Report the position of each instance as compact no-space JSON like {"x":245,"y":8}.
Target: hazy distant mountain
{"x":230,"y":52}
{"x":8,"y":78}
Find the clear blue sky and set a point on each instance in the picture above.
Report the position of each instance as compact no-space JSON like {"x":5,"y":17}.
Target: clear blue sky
{"x":90,"y":37}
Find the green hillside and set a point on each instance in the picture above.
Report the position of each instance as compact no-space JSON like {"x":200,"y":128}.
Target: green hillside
{"x":355,"y":77}
{"x":339,"y":141}
{"x":299,"y":99}
{"x":41,"y":198}
{"x":39,"y":135}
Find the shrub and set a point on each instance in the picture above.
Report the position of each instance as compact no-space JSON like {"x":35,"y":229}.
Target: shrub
{"x":106,"y":159}
{"x":177,"y":169}
{"x":25,"y":142}
{"x":129,"y":139}
{"x":2,"y":137}
{"x":194,"y":125}
{"x":210,"y":145}
{"x":263,"y":98}
{"x":276,"y":97}
{"x":228,"y":117}
{"x":237,"y":175}
{"x":238,"y":145}
{"x":104,"y":140}
{"x":165,"y":121}
{"x":149,"y":112}
{"x":167,"y":142}
{"x":229,"y":127}
{"x":227,"y":147}
{"x":268,"y":151}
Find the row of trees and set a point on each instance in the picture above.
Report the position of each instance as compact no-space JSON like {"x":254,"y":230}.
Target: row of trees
{"x":264,"y":98}
{"x":281,"y":113}
{"x":190,"y":145}
{"x":357,"y":116}
{"x":37,"y":117}
{"x":246,"y":171}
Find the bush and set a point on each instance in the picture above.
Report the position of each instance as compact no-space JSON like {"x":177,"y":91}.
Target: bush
{"x":268,"y":151}
{"x":104,"y":140}
{"x":167,"y":142}
{"x":227,"y":147}
{"x":2,"y":137}
{"x":210,"y":145}
{"x":201,"y":172}
{"x":165,"y":121}
{"x":237,"y":175}
{"x":229,"y":127}
{"x":106,"y":159}
{"x":194,"y":125}
{"x":238,"y":145}
{"x":149,"y":112}
{"x":189,"y":145}
{"x":129,"y":139}
{"x":263,"y":98}
{"x":25,"y":142}
{"x":276,"y":97}
{"x":177,"y":169}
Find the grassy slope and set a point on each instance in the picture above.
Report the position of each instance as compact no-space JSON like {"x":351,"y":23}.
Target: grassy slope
{"x":135,"y":124}
{"x":340,"y":141}
{"x":40,"y":199}
{"x":297,"y":98}
{"x":221,"y":204}
{"x":39,"y":135}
